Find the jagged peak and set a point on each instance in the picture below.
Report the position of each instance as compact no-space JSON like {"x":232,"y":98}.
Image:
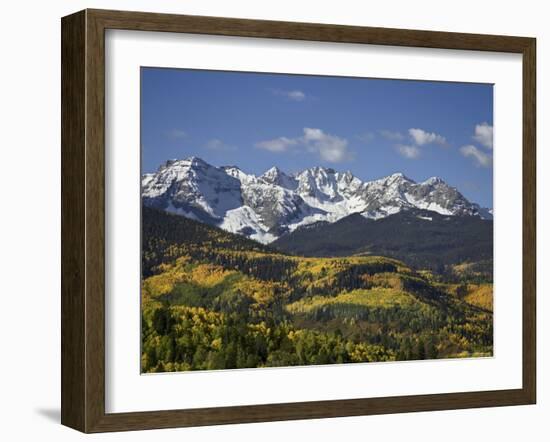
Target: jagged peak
{"x":316,"y":171}
{"x":347,"y":176}
{"x":168,"y":163}
{"x":393,"y":178}
{"x":192,"y":161}
{"x":231,"y":168}
{"x":434,"y":180}
{"x":196,"y":161}
{"x":273,"y":171}
{"x":277,"y":177}
{"x":399,"y":175}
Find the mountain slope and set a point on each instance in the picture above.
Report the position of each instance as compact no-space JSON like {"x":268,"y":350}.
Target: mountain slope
{"x":215,"y":300}
{"x":273,"y":204}
{"x":420,"y":238}
{"x":163,"y":235}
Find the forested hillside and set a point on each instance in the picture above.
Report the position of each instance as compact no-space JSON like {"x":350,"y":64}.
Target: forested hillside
{"x":166,"y":236}
{"x":214,"y":300}
{"x":420,"y":238}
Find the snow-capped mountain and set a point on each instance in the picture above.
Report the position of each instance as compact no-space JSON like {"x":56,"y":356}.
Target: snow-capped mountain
{"x":266,"y":206}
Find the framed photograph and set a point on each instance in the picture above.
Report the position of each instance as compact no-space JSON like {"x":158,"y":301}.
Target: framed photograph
{"x":269,"y":220}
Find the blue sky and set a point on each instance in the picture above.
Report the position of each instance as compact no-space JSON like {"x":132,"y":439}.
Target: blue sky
{"x":371,"y":127}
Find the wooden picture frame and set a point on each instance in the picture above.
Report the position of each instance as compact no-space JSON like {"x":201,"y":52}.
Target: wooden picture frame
{"x":83,"y":217}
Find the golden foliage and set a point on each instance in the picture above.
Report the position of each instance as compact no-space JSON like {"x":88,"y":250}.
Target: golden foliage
{"x":480,"y":296}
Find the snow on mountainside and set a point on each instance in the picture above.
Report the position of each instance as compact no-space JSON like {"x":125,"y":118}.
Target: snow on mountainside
{"x":265,"y":207}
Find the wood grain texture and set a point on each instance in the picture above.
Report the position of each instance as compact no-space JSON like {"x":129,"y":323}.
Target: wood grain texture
{"x":73,"y":255}
{"x":529,"y":221}
{"x":95,"y":221}
{"x":83,"y":220}
{"x":145,"y":21}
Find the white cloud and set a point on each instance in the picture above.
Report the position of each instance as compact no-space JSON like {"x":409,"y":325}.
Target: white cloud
{"x":280,"y":144}
{"x":176,"y":133}
{"x":421,"y":137}
{"x":219,"y":145}
{"x":312,"y":134}
{"x":293,"y":95}
{"x":481,"y":159}
{"x":392,"y":136}
{"x":484,"y":135}
{"x":330,"y":148}
{"x":410,"y":152}
{"x":296,"y":95}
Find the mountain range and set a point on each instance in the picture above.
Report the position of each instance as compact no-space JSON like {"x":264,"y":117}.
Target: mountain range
{"x":268,"y":206}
